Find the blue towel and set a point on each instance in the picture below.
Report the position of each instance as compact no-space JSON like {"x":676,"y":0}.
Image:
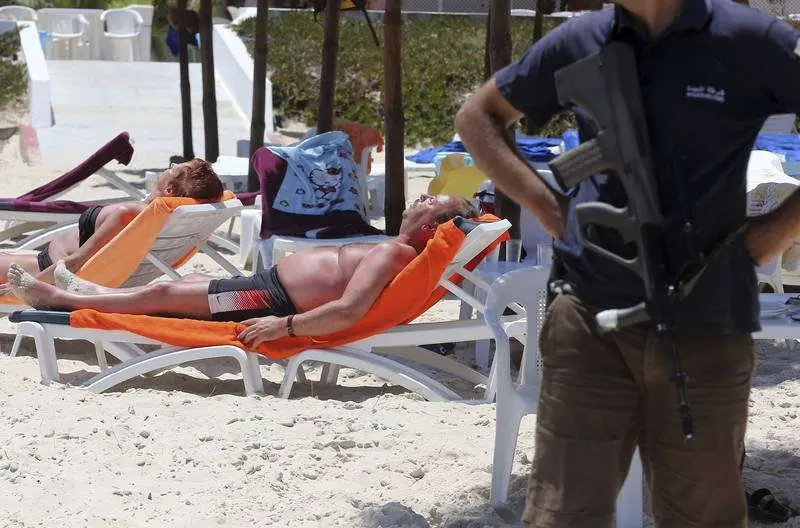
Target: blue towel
{"x":536,"y":149}
{"x":571,"y":140}
{"x":785,"y":144}
{"x":172,"y":40}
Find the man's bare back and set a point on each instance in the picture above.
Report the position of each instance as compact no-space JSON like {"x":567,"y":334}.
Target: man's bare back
{"x":320,"y":275}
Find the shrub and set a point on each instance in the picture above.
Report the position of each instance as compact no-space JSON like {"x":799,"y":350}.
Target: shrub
{"x":443,"y":61}
{"x":13,"y":74}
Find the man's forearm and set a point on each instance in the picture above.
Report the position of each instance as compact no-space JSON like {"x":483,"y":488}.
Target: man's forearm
{"x":326,"y":319}
{"x":771,"y":234}
{"x":488,"y":143}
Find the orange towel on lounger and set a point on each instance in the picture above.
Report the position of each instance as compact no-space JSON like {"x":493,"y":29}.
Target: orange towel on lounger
{"x":118,"y":259}
{"x":409,"y":294}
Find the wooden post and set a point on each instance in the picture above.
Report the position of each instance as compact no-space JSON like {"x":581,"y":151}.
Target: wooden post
{"x":210,"y":126}
{"x":487,"y":51}
{"x":327,"y":83}
{"x":395,"y":122}
{"x":186,"y":96}
{"x":501,"y":56}
{"x":538,"y":19}
{"x":259,"y":88}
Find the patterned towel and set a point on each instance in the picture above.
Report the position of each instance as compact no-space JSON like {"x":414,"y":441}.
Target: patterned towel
{"x":321,"y":177}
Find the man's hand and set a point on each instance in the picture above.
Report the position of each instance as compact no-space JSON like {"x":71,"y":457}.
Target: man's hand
{"x":262,"y":329}
{"x":5,"y":290}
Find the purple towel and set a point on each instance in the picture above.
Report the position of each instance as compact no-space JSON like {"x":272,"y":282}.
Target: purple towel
{"x":54,"y":206}
{"x":247,"y":198}
{"x":119,"y":149}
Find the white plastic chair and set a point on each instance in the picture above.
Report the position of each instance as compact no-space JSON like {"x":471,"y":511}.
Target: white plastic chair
{"x":527,"y":288}
{"x":67,"y":33}
{"x":18,"y":13}
{"x":121,"y":28}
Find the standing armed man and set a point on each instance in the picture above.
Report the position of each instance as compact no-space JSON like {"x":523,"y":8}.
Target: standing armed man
{"x":710,"y":72}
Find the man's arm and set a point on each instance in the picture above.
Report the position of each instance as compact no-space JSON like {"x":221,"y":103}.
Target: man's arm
{"x":482,"y":123}
{"x":375,"y":271}
{"x":769,"y":235}
{"x":110,"y":222}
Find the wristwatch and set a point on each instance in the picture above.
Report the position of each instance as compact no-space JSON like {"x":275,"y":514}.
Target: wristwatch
{"x":289,"y":327}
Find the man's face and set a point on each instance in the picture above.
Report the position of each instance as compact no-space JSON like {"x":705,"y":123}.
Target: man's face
{"x":164,"y":180}
{"x":424,"y":211}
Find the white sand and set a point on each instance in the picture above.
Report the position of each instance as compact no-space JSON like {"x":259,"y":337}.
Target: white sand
{"x":180,"y":449}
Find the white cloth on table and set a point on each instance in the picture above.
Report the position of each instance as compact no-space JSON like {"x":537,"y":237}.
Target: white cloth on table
{"x":767,"y":187}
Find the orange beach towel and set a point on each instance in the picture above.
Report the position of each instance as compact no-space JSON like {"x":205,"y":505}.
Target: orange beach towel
{"x":410,"y":294}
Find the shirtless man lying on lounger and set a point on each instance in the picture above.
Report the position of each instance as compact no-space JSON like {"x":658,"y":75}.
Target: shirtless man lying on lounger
{"x":99,"y":224}
{"x":313,"y":292}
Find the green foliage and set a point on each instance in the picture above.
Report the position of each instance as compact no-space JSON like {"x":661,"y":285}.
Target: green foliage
{"x":13,"y":75}
{"x":443,"y":60}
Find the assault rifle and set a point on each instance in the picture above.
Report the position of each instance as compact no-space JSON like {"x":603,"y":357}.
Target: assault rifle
{"x":606,"y":85}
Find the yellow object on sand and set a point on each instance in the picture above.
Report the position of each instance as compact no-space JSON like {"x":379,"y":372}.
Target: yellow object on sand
{"x":456,"y":179}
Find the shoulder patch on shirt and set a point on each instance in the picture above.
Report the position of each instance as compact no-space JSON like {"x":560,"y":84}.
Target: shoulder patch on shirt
{"x":797,"y":48}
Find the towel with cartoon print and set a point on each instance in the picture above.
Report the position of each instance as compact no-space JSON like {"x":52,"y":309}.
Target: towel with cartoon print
{"x":321,"y":177}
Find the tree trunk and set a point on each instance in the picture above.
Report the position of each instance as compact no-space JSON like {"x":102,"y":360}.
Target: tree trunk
{"x":395,"y":122}
{"x":330,"y":52}
{"x":259,"y":88}
{"x":186,"y":96}
{"x":542,"y":7}
{"x":210,"y":126}
{"x":501,"y":57}
{"x":487,"y":53}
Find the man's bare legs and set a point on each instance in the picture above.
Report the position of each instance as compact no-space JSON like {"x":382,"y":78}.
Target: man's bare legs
{"x":29,"y":262}
{"x":66,"y":280}
{"x":182,"y":299}
{"x":110,"y":220}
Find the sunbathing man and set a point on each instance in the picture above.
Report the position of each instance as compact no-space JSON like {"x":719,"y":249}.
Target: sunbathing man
{"x":99,"y":224}
{"x":313,"y":292}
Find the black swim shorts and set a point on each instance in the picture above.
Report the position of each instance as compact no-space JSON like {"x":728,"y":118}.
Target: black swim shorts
{"x":241,"y":298}
{"x":87,"y":223}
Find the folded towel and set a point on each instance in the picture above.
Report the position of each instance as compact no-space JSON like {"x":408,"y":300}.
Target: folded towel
{"x":535,"y":149}
{"x":786,"y":145}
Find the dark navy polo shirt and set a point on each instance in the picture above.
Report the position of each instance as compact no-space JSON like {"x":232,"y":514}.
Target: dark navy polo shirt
{"x":708,"y":83}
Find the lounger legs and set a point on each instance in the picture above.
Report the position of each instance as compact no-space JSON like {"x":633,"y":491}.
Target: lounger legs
{"x":15,"y":346}
{"x":253,"y":384}
{"x":101,"y":355}
{"x":45,"y":350}
{"x":383,"y":367}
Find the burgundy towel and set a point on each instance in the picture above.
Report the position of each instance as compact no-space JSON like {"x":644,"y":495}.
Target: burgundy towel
{"x":247,"y":198}
{"x":119,"y":149}
{"x":337,"y":224}
{"x":55,"y":206}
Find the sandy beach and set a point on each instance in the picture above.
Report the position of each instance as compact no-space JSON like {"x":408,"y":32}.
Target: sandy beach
{"x":182,"y":449}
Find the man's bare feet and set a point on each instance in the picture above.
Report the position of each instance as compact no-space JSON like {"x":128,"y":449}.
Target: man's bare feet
{"x":66,"y":280}
{"x":34,"y":292}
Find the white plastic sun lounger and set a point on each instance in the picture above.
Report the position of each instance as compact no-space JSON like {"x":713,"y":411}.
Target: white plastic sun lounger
{"x":46,"y":326}
{"x":188,"y":226}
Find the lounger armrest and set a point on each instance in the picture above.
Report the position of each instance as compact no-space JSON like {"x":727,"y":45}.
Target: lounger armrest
{"x":466,"y":225}
{"x":40,"y":316}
